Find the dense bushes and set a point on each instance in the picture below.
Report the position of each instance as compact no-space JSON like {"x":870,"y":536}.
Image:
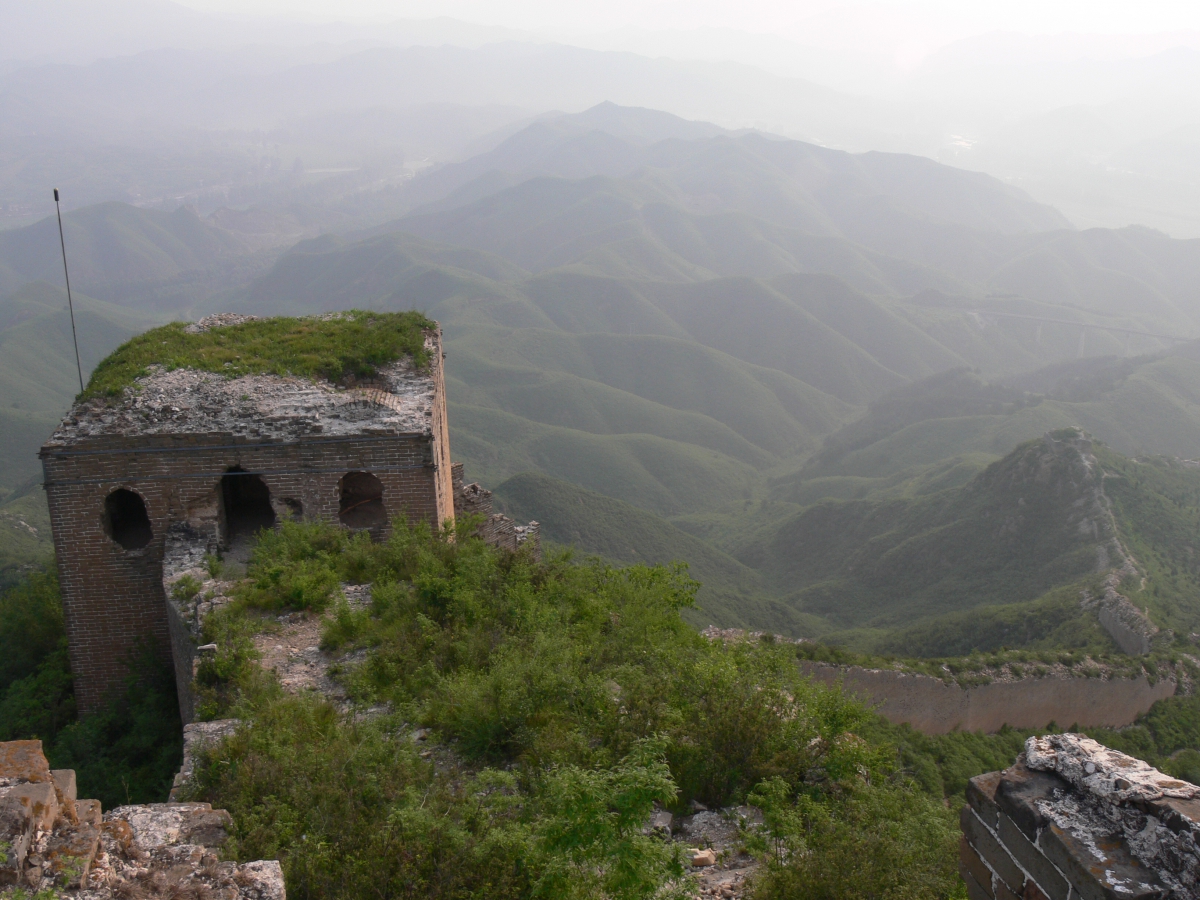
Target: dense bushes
{"x":883,"y":840}
{"x":563,"y":701}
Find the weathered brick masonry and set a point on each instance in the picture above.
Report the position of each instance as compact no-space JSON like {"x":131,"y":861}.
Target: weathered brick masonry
{"x":1073,"y":819}
{"x":113,"y":596}
{"x":215,"y":454}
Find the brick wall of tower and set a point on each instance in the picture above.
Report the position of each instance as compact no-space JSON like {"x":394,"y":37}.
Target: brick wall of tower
{"x":440,"y":425}
{"x":113,"y":598}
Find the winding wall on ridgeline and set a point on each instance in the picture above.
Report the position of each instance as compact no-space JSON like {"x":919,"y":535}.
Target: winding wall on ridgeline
{"x":934,"y":707}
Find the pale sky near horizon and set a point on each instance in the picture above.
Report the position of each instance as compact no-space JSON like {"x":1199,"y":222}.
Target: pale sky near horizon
{"x":779,"y":16}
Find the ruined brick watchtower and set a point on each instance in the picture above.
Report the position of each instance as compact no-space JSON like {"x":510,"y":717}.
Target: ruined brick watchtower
{"x":220,"y":439}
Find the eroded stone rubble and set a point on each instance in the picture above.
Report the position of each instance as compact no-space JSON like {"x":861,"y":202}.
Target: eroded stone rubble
{"x":190,"y":401}
{"x":53,"y":840}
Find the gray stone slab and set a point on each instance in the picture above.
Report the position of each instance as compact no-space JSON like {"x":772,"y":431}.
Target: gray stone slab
{"x":1100,"y":869}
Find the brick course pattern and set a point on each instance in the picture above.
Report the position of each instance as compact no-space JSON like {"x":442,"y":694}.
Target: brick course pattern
{"x":1072,"y":820}
{"x":113,"y":597}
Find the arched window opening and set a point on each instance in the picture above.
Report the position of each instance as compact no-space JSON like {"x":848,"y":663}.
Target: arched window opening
{"x":246,"y":504}
{"x":126,"y":520}
{"x":361,"y":502}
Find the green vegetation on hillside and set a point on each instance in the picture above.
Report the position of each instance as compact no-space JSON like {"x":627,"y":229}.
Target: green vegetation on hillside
{"x":1002,"y":561}
{"x":25,"y":543}
{"x":117,"y":250}
{"x":562,"y":702}
{"x":1157,"y":501}
{"x":620,"y":532}
{"x":352,"y":344}
{"x":38,"y":378}
{"x":558,"y":704}
{"x":1011,"y":534}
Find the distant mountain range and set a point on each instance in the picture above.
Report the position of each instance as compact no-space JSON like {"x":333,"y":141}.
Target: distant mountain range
{"x":666,"y":340}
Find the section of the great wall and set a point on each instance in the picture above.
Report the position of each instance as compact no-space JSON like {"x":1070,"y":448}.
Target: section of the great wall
{"x":934,"y":707}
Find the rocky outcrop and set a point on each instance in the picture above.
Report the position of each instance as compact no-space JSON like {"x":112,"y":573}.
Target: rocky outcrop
{"x":1074,"y":819}
{"x":51,"y":840}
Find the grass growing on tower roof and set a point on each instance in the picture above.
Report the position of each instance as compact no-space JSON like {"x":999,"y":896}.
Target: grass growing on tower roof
{"x":356,"y":344}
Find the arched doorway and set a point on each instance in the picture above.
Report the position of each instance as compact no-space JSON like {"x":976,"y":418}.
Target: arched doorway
{"x":245,"y":504}
{"x":360,"y":503}
{"x":126,"y":520}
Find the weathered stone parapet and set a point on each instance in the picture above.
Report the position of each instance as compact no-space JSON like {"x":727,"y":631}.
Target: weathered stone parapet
{"x":1073,"y":819}
{"x":54,"y":841}
{"x":496,"y":529}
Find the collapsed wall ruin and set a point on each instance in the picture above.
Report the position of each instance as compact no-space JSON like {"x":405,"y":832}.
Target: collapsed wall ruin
{"x":187,"y":463}
{"x":1073,"y":819}
{"x":55,"y":844}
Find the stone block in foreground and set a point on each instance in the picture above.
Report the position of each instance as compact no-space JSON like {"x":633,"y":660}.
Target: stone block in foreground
{"x":1073,"y":820}
{"x":61,"y":844}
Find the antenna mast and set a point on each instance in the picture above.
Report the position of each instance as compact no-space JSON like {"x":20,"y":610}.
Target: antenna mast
{"x":70,"y":305}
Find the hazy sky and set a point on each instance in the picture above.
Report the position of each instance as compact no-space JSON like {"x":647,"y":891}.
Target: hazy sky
{"x":952,"y":16}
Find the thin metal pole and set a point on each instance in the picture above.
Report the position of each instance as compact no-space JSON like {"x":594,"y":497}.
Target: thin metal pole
{"x":70,"y":305}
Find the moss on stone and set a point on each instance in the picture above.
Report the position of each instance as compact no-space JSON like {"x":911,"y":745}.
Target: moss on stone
{"x":354,"y":344}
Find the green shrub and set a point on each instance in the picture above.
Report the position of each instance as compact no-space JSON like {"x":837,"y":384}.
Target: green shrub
{"x":883,"y":841}
{"x":31,"y":625}
{"x":564,"y":700}
{"x":127,"y":752}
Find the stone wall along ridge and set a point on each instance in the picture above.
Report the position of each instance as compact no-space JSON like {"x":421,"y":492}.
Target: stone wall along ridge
{"x":934,"y":707}
{"x":496,"y":528}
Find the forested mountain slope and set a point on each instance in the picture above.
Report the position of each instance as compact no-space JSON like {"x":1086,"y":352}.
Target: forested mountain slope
{"x":38,"y":375}
{"x":116,"y":251}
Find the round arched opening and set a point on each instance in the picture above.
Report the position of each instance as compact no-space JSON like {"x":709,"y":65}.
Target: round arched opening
{"x":245,"y":504}
{"x":361,"y":501}
{"x":126,"y":520}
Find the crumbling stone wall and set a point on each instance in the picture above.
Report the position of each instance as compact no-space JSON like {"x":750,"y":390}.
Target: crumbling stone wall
{"x":496,"y":529}
{"x":52,"y":840}
{"x":113,"y":596}
{"x":1073,"y":819}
